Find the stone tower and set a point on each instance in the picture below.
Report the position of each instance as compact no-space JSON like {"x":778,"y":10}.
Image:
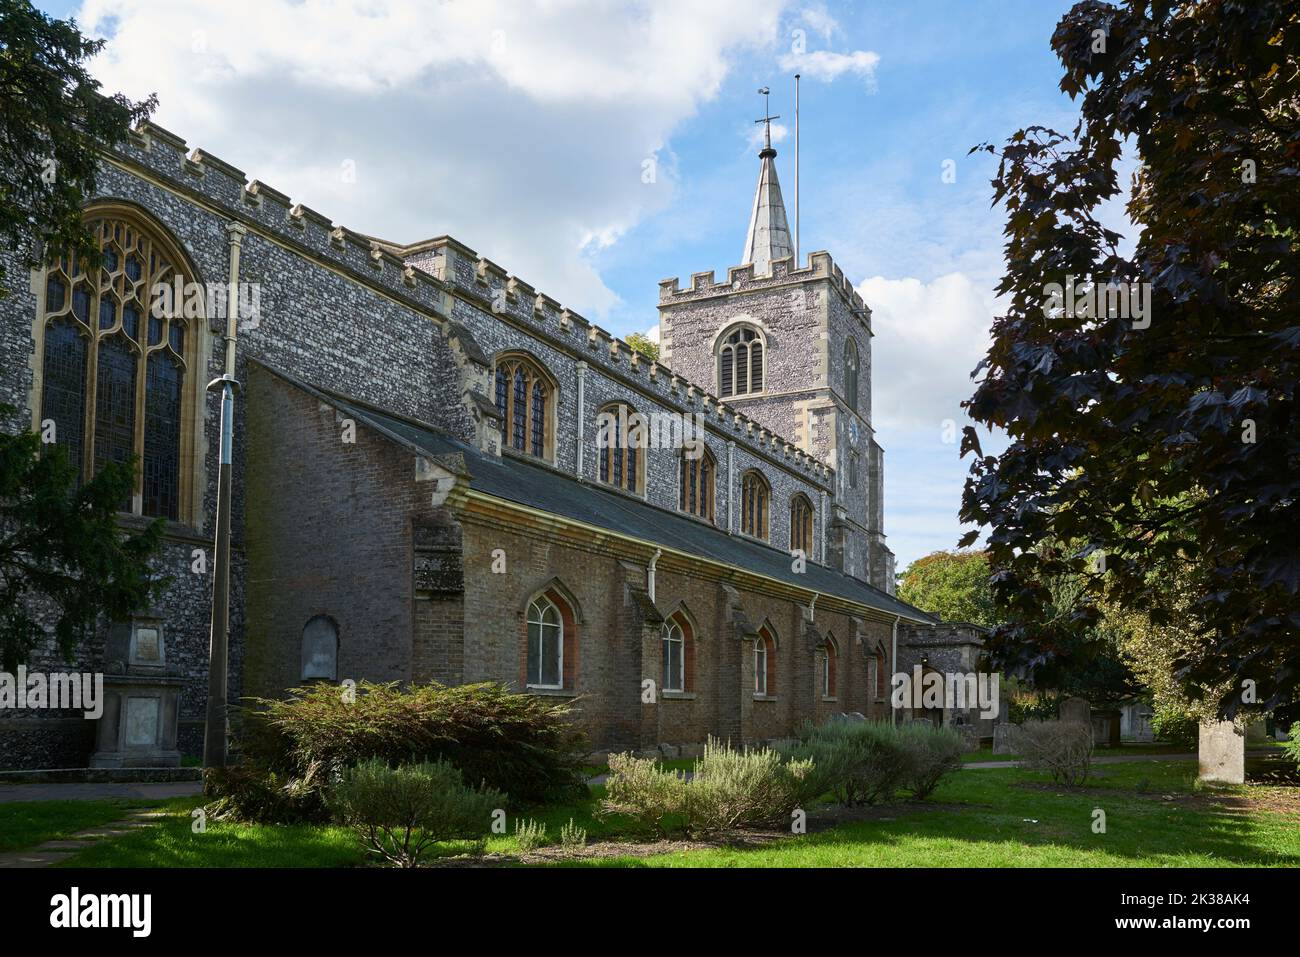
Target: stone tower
{"x":790,"y":346}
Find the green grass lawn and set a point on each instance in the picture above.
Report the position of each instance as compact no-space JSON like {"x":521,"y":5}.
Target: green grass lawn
{"x":986,"y":754}
{"x":24,"y":824}
{"x":1157,"y":815}
{"x":992,"y":821}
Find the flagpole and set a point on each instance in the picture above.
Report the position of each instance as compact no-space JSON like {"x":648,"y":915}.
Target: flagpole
{"x":214,"y":730}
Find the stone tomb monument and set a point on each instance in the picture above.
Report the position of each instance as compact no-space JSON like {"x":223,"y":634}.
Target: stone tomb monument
{"x":141,"y":700}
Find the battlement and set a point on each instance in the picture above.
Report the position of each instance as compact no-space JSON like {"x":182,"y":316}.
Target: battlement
{"x":165,"y":155}
{"x":432,"y":275}
{"x":478,"y":280}
{"x":742,"y":279}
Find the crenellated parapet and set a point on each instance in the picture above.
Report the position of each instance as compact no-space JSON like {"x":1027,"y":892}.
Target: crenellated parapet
{"x":211,"y":181}
{"x":489,"y":287}
{"x":430,"y":275}
{"x":742,"y":279}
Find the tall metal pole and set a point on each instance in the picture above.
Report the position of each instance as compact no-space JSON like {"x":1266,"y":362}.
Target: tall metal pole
{"x":214,"y":730}
{"x":796,"y":171}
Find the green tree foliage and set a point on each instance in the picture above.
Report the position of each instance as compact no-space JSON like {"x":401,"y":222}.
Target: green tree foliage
{"x":62,"y":553}
{"x":953,"y":585}
{"x":1176,"y":443}
{"x":644,"y":345}
{"x":54,"y":122}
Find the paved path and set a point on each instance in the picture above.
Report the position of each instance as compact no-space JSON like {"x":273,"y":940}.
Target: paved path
{"x":1123,"y":758}
{"x":99,"y":792}
{"x":57,"y":851}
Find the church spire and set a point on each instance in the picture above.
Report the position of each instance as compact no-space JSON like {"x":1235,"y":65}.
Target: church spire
{"x":769,"y":231}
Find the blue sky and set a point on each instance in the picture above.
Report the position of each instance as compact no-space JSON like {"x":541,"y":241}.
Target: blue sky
{"x":524,"y":131}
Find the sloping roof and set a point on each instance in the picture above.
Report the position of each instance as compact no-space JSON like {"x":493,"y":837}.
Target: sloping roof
{"x":536,"y":486}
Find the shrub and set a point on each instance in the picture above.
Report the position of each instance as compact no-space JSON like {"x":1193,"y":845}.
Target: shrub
{"x":749,"y":788}
{"x":729,"y":789}
{"x":530,"y":834}
{"x":1061,"y":748}
{"x":861,"y":762}
{"x":400,"y":812}
{"x":1292,"y":744}
{"x":243,"y":792}
{"x":521,"y":744}
{"x":572,"y":837}
{"x":1176,"y":726}
{"x":641,"y":789}
{"x":932,"y":753}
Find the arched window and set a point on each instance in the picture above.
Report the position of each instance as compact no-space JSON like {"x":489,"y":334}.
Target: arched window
{"x":621,"y":438}
{"x":829,"y":656}
{"x":764,"y":663}
{"x":851,"y":373}
{"x":545,"y":644}
{"x":697,"y":483}
{"x":755,"y":494}
{"x":853,"y":469}
{"x":320,"y":649}
{"x":741,"y":362}
{"x":801,"y":525}
{"x":525,"y":399}
{"x":679,"y":654}
{"x":118,"y":344}
{"x":880,"y":674}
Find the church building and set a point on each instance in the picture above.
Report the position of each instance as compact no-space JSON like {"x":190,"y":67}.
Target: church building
{"x":425,"y":485}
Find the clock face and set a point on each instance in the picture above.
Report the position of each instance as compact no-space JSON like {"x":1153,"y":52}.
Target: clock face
{"x":853,"y":432}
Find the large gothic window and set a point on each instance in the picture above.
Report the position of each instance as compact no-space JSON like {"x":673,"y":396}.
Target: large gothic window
{"x":697,"y":484}
{"x":740,"y":363}
{"x":755,"y":494}
{"x":621,"y":436}
{"x":525,"y":399}
{"x":117,"y":360}
{"x":801,"y":525}
{"x":851,"y":373}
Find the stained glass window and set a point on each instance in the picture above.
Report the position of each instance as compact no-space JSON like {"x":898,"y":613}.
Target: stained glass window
{"x":523,"y":397}
{"x":162,"y":436}
{"x":113,"y":397}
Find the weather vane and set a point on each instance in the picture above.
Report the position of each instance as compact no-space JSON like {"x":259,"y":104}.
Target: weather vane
{"x":767,"y":118}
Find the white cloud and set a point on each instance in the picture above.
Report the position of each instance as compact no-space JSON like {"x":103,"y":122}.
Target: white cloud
{"x":827,"y":66}
{"x":818,"y":18}
{"x":928,"y":338}
{"x":653,"y":333}
{"x":523,"y":130}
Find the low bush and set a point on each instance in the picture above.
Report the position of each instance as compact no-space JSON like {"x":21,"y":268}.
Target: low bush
{"x":1176,"y":726}
{"x":729,"y":789}
{"x":400,"y":812}
{"x":1061,"y":748}
{"x":749,"y":788}
{"x":523,"y":745}
{"x":639,"y":788}
{"x":861,"y":762}
{"x":932,"y":753}
{"x":1292,"y":744}
{"x":529,"y":834}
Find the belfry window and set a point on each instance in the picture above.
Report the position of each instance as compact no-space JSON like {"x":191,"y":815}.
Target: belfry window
{"x":116,"y":361}
{"x":851,"y":374}
{"x":741,"y":363}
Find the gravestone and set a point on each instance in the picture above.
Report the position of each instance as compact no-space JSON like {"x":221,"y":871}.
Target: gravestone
{"x":1222,"y":752}
{"x":1077,"y":710}
{"x":1005,"y":737}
